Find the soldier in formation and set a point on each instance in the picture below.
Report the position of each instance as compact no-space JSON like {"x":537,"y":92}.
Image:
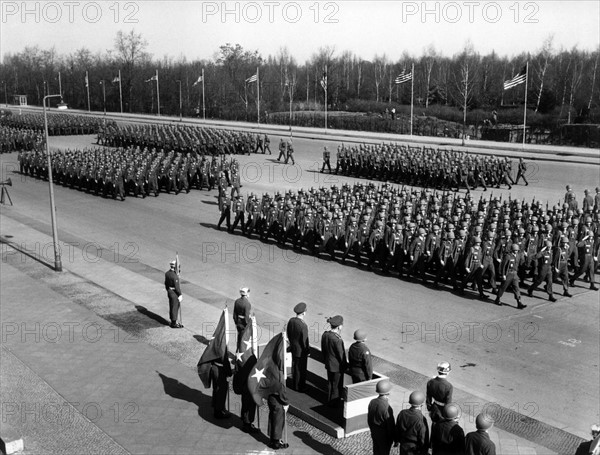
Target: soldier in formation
{"x":452,"y":239}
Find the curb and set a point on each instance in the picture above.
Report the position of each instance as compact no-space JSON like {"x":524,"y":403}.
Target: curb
{"x":8,"y":448}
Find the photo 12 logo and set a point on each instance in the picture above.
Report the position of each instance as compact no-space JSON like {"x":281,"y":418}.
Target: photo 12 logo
{"x":470,"y":12}
{"x":70,"y":12}
{"x":270,"y":12}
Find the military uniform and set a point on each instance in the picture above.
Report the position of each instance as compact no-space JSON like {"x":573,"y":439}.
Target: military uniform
{"x":297,"y":332}
{"x":241,"y":317}
{"x":439,"y":394}
{"x":334,"y":358}
{"x":174,"y":293}
{"x":360,"y":364}
{"x":447,"y":438}
{"x":380,"y":418}
{"x":412,"y":432}
{"x":479,"y":443}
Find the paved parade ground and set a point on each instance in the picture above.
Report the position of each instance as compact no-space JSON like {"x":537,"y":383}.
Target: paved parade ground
{"x":540,"y":364}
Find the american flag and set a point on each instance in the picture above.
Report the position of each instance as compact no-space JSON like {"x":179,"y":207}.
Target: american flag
{"x":403,"y":77}
{"x":517,"y":80}
{"x":252,"y":78}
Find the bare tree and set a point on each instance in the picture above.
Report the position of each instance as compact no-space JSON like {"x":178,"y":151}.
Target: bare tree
{"x":542,"y":66}
{"x":465,"y":79}
{"x":576,"y":75}
{"x":427,"y":62}
{"x":597,"y":52}
{"x":380,"y":66}
{"x":131,"y":52}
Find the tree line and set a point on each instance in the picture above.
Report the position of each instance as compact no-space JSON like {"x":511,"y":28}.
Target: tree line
{"x":562,"y":83}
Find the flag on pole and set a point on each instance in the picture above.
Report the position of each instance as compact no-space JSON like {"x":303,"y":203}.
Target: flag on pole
{"x":153,"y":78}
{"x":268,"y":373}
{"x":116,"y":79}
{"x":87,"y":81}
{"x":517,"y":80}
{"x":216,"y":350}
{"x":245,"y":357}
{"x":403,"y":77}
{"x":252,"y":78}
{"x":197,"y":82}
{"x":324,"y":81}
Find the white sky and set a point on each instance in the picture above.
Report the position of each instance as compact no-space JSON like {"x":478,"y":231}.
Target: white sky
{"x":196,"y":29}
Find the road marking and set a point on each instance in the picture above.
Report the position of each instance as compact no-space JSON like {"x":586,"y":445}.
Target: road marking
{"x":536,"y":316}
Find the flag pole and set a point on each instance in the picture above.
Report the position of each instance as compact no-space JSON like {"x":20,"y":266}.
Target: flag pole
{"x":284,"y":350}
{"x":325,"y":87}
{"x":178,"y":271}
{"x":157,"y":95}
{"x":257,"y":96}
{"x":203,"y":102}
{"x":254,"y":347}
{"x":412,"y":92}
{"x":525,"y":109}
{"x":87,"y":87}
{"x":120,"y":92}
{"x":226,"y":311}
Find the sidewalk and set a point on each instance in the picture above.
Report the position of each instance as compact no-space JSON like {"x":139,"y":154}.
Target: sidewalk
{"x":95,"y":336}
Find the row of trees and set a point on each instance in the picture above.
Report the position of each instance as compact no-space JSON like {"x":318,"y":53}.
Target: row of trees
{"x":562,"y":82}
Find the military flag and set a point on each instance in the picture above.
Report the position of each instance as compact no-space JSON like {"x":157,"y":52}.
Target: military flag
{"x":87,"y":81}
{"x":245,"y":356}
{"x":116,"y":79}
{"x":324,"y":81}
{"x":517,"y":80}
{"x":153,"y":78}
{"x":268,"y":375}
{"x":403,"y":77}
{"x":200,"y":79}
{"x":252,"y":78}
{"x":216,"y":350}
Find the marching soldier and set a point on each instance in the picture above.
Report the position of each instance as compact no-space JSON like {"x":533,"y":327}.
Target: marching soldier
{"x":282,"y":149}
{"x":238,"y":209}
{"x":521,"y":171}
{"x":225,"y":208}
{"x":561,"y":262}
{"x":586,"y":244}
{"x":510,"y":278}
{"x":544,"y":271}
{"x":473,"y":267}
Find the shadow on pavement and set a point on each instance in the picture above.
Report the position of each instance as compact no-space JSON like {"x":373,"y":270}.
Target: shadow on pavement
{"x":146,"y":312}
{"x":317,"y":446}
{"x":180,"y":391}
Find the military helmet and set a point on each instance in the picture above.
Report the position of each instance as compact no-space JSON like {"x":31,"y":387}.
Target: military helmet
{"x":564,"y":240}
{"x":515,"y":247}
{"x":383,"y":387}
{"x":444,"y":368}
{"x":451,"y":411}
{"x":483,"y":422}
{"x":548,"y":244}
{"x":416,"y":398}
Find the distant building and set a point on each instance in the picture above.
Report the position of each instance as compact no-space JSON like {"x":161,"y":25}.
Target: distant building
{"x":20,"y":100}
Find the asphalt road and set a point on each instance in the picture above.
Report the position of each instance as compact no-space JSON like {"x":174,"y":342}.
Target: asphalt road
{"x":542,"y":362}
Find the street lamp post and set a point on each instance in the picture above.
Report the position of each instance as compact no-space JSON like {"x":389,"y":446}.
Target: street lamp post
{"x":57,"y":260}
{"x":5,"y":94}
{"x":103,"y":95}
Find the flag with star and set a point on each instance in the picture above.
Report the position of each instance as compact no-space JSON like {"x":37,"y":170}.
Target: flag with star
{"x":216,"y":350}
{"x":268,"y":375}
{"x":245,"y":356}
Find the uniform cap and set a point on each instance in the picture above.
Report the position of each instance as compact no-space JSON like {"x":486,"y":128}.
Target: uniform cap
{"x":335,"y":321}
{"x":483,"y":422}
{"x":244,"y":291}
{"x":173,"y":263}
{"x":451,"y":411}
{"x":300,"y":308}
{"x":416,"y":398}
{"x":383,"y":387}
{"x":360,"y":335}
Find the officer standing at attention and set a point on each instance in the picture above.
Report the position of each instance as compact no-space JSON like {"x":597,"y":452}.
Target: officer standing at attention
{"x":334,"y":358}
{"x":439,"y":392}
{"x":174,"y":294}
{"x":412,"y":430}
{"x":478,"y":442}
{"x":360,"y":364}
{"x":241,"y":315}
{"x":297,"y":332}
{"x":380,"y":417}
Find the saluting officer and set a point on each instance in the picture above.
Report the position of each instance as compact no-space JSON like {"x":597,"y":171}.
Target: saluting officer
{"x":360,"y":364}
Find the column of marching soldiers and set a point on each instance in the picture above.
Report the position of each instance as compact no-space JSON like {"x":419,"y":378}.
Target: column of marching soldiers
{"x":430,"y":235}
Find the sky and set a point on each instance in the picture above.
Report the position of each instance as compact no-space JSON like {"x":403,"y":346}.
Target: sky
{"x":196,"y":29}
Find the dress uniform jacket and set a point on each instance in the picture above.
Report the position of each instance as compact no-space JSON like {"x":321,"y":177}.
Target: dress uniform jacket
{"x":439,"y":394}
